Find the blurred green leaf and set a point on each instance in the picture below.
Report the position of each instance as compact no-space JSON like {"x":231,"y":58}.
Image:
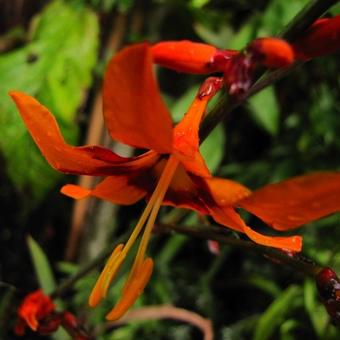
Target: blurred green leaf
{"x":198,"y":3}
{"x":6,"y":303}
{"x":181,"y":105}
{"x":213,"y":148}
{"x":218,"y":38}
{"x":265,"y":111}
{"x":244,"y":35}
{"x":287,"y":328}
{"x":276,"y":312}
{"x":278,"y":14}
{"x":55,"y":67}
{"x":317,"y":313}
{"x":41,"y":266}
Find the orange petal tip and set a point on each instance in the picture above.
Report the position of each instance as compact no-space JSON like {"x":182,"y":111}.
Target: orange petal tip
{"x":292,"y":243}
{"x":75,"y":191}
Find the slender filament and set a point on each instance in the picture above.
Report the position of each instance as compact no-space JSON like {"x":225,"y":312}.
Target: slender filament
{"x":137,"y":278}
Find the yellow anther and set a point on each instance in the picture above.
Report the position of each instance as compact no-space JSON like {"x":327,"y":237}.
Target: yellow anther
{"x":132,"y":289}
{"x":112,"y":265}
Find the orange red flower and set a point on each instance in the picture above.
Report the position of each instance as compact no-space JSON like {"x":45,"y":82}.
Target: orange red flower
{"x":172,"y":172}
{"x":35,"y":307}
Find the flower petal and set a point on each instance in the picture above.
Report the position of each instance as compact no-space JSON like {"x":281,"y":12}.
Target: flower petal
{"x":116,"y":189}
{"x":225,"y":191}
{"x":186,"y":138}
{"x":88,"y":160}
{"x":133,"y":108}
{"x":293,"y":243}
{"x":125,"y":188}
{"x":185,"y":56}
{"x":296,"y":201}
{"x":200,"y":194}
{"x":182,"y":192}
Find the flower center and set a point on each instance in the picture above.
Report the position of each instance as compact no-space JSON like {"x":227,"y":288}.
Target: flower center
{"x":142,"y":267}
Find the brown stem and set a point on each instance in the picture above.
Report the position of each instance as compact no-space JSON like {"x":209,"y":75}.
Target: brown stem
{"x":218,"y":234}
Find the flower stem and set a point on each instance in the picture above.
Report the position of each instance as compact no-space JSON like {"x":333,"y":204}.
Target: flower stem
{"x":295,"y":260}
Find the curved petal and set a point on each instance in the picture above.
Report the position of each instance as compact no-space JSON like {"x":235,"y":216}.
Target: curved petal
{"x":133,"y":108}
{"x":291,"y":203}
{"x":220,"y":196}
{"x":126,"y":188}
{"x":182,"y":192}
{"x":186,"y":138}
{"x":116,"y":189}
{"x":87,"y":160}
{"x":225,"y":191}
{"x":195,"y":193}
{"x":185,"y":56}
{"x":293,"y":243}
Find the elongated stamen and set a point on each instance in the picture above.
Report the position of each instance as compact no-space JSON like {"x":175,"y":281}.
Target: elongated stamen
{"x":100,"y":289}
{"x":135,"y":279}
{"x":142,"y":269}
{"x":136,"y":287}
{"x":159,"y":193}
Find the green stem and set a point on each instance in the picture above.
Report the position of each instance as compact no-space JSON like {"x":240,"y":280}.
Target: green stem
{"x":217,"y":234}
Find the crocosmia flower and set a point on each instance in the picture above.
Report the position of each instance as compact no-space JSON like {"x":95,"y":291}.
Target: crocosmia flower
{"x":35,"y":307}
{"x":171,"y":172}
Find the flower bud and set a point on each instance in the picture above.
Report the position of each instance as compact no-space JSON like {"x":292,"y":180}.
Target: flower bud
{"x":271,"y":52}
{"x":321,"y":38}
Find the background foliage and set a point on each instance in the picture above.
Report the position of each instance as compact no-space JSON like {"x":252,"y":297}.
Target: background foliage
{"x":57,"y":52}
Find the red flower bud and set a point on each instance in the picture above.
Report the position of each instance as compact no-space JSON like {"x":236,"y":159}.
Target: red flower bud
{"x":271,"y":52}
{"x":190,"y":57}
{"x":321,"y":38}
{"x":35,"y":307}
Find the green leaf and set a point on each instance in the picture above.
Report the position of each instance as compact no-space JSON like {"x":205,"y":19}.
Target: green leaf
{"x":213,"y":148}
{"x":278,"y":14}
{"x":41,"y":266}
{"x":198,"y":3}
{"x":265,"y":110}
{"x":55,"y":67}
{"x":244,"y":35}
{"x":181,"y":105}
{"x":316,"y":312}
{"x":271,"y":319}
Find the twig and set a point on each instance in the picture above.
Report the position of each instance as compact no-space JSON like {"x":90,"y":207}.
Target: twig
{"x":217,"y":234}
{"x":167,"y":312}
